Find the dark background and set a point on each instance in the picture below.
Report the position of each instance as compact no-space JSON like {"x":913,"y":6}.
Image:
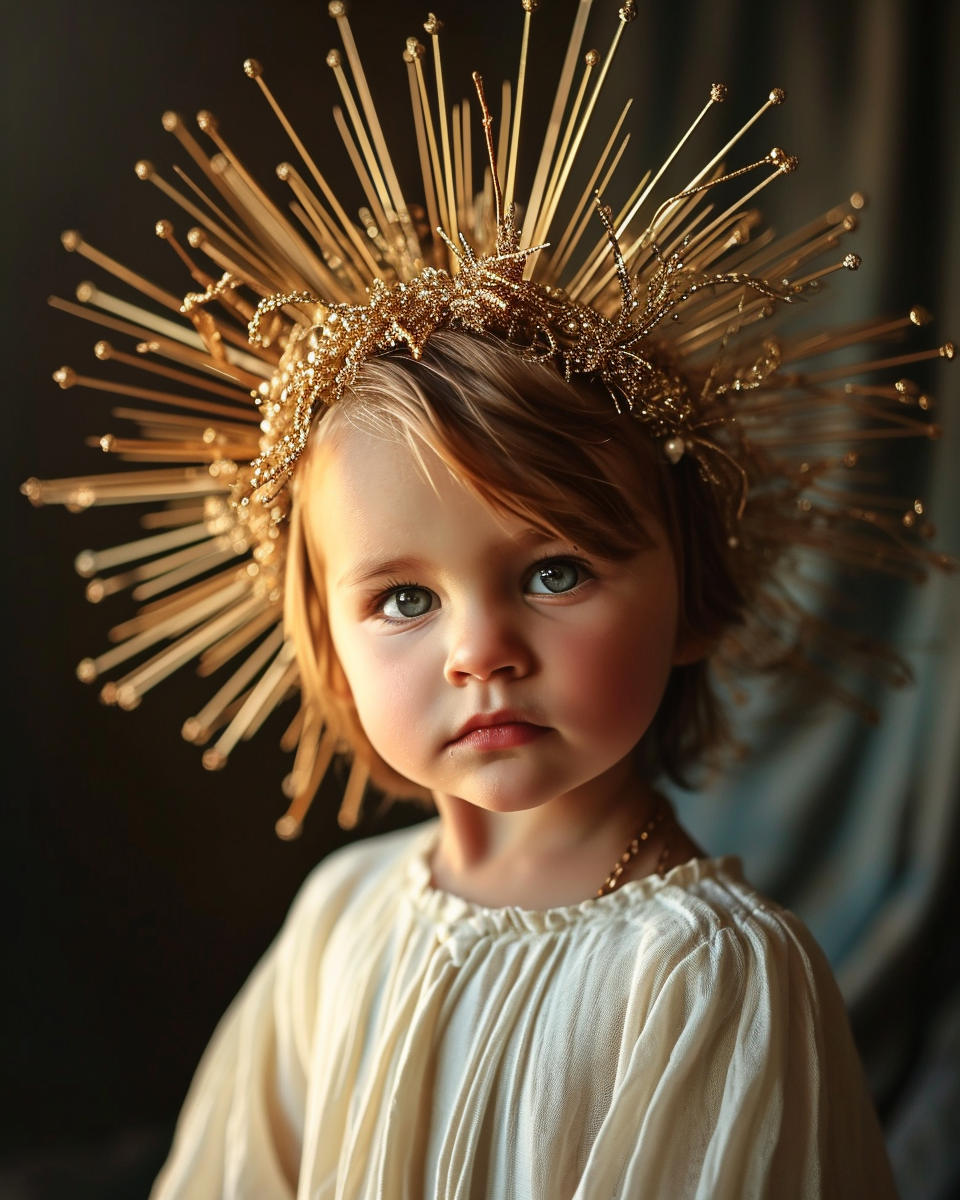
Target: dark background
{"x":138,"y":889}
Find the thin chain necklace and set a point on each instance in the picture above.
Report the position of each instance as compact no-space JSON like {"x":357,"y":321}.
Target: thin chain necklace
{"x":656,"y":819}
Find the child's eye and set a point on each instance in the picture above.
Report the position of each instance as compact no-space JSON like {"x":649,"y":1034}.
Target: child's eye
{"x":405,"y":603}
{"x":555,"y":578}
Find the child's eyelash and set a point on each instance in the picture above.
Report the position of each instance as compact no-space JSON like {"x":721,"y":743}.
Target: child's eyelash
{"x":381,"y":595}
{"x":571,"y":560}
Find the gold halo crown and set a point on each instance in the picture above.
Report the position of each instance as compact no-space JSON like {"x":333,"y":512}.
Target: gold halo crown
{"x":665,"y":310}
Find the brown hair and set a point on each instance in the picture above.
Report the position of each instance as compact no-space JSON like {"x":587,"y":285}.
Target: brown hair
{"x":559,"y":455}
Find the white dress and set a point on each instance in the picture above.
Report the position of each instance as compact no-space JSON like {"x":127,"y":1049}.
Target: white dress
{"x":682,"y":1037}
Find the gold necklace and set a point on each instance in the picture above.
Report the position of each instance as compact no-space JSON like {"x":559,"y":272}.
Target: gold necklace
{"x":656,"y":819}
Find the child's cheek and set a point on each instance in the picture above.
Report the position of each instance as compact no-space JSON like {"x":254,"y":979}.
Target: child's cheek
{"x":394,"y":700}
{"x":614,"y":676}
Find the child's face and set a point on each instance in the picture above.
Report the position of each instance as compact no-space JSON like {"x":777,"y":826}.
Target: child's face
{"x":442,"y":612}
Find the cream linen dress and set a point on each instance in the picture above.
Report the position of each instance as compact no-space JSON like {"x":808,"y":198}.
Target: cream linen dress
{"x":682,"y":1037}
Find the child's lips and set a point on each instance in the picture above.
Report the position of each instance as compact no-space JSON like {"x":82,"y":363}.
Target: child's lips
{"x":498,"y":731}
{"x":501,"y":737}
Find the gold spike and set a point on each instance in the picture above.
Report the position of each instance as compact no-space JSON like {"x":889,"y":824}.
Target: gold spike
{"x":216,"y":757}
{"x":122,"y":487}
{"x":836,"y":221}
{"x":285,"y":686}
{"x":333,"y":289}
{"x":164,"y":346}
{"x":947,"y":350}
{"x":381,"y":204}
{"x":433,"y":27}
{"x":200,"y":737}
{"x":89,"y":562}
{"x":195,"y":728}
{"x":222,"y":369}
{"x":297,"y":260}
{"x":240,"y":268}
{"x":417,"y":52}
{"x":626,"y":14}
{"x":165,"y":518}
{"x":458,"y":162}
{"x":73,"y":241}
{"x":89,"y":293}
{"x":410,"y":56}
{"x":775,"y":97}
{"x":173,"y":123}
{"x":221,"y":652}
{"x":503,"y":140}
{"x":306,"y":743}
{"x":787,"y":264}
{"x":98,"y":589}
{"x":836,"y":339}
{"x":353,"y":794}
{"x":784,"y":165}
{"x":158,"y":610}
{"x":531,"y":220}
{"x":104,"y":351}
{"x":718,"y":94}
{"x":155,"y":424}
{"x":248,"y":247}
{"x":850,"y":262}
{"x":210,"y":126}
{"x":528,"y":8}
{"x":369,"y":190}
{"x":66,"y":377}
{"x":337,"y":9}
{"x":90,"y":669}
{"x":544,"y":217}
{"x":467,"y":164}
{"x":565,"y":246}
{"x":291,"y":735}
{"x":254,"y":71}
{"x":145,"y":170}
{"x":185,"y":450}
{"x":305,"y":779}
{"x":163,"y":583}
{"x":165,"y":231}
{"x":128,"y":691}
{"x":332,"y":239}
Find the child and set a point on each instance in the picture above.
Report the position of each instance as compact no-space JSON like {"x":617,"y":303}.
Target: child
{"x":507,"y":599}
{"x":522,"y":509}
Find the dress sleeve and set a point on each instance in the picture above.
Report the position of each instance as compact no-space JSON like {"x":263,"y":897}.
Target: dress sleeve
{"x":742,"y":1082}
{"x":240,"y":1130}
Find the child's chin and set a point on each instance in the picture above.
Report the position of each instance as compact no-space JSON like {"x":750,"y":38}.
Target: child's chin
{"x":518,"y":792}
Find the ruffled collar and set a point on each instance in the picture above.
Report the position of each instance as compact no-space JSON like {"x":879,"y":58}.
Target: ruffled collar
{"x":445,"y":909}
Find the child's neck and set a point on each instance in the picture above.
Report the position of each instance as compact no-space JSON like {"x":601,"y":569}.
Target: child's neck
{"x":555,"y":854}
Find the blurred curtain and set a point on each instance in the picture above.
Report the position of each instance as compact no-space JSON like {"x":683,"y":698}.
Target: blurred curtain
{"x":856,"y":829}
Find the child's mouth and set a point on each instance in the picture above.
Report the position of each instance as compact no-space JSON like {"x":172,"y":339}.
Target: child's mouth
{"x":498,"y":732}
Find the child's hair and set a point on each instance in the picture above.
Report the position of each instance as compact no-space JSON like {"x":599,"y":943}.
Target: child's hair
{"x":558,"y":455}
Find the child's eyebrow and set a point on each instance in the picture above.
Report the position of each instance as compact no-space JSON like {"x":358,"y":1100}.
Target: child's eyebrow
{"x":370,"y":568}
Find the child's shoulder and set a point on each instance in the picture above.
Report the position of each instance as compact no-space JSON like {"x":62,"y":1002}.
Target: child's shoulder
{"x":712,"y":934}
{"x":365,"y":866}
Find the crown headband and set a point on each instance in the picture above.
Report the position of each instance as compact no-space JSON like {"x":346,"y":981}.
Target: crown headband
{"x":664,"y":310}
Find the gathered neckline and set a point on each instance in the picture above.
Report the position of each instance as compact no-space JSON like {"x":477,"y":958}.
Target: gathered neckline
{"x":447,"y":908}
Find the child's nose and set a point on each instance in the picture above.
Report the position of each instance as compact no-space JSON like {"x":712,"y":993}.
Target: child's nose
{"x":484,"y":644}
